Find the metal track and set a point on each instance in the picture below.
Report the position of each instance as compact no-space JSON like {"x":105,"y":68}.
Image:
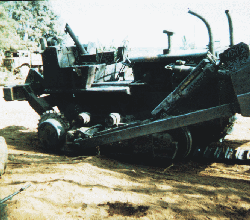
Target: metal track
{"x":222,"y":154}
{"x":156,"y":126}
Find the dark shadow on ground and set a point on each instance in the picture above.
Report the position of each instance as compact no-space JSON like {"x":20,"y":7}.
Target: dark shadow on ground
{"x":3,"y":212}
{"x":21,"y":139}
{"x":184,"y":180}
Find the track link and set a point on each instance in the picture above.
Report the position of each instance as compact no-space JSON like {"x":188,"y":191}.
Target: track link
{"x":222,"y":154}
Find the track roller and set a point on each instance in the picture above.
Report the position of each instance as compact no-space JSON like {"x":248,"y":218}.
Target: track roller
{"x":174,"y":144}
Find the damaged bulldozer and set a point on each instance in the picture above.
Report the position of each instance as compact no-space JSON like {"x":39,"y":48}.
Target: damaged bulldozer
{"x":174,"y":106}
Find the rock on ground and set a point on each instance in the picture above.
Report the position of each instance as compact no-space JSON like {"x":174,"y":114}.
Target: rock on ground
{"x":3,"y":155}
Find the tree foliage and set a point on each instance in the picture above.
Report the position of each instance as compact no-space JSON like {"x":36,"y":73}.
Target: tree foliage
{"x":8,"y":33}
{"x":23,"y":23}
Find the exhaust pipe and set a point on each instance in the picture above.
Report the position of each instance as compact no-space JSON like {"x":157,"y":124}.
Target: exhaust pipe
{"x":211,"y":41}
{"x":75,"y":39}
{"x":43,"y":43}
{"x":231,"y":37}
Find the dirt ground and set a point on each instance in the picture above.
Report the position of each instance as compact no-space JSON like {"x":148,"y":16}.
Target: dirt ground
{"x":98,"y":187}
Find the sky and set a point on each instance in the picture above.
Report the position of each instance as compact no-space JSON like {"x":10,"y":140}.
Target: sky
{"x":141,"y":23}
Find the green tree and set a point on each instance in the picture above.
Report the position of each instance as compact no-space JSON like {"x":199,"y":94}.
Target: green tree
{"x":8,"y":33}
{"x":32,"y":20}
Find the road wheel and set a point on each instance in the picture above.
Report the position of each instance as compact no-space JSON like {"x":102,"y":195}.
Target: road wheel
{"x":173,"y":144}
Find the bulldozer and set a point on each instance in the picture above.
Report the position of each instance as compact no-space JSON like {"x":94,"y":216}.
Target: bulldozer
{"x":174,"y":106}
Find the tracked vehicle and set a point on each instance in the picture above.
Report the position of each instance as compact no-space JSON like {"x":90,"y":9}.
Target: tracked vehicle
{"x":174,"y":104}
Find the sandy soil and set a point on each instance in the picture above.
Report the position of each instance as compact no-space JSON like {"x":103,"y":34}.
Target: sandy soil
{"x":98,"y":187}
